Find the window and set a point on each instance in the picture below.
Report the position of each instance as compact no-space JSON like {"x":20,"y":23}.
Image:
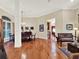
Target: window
{"x":6,"y":18}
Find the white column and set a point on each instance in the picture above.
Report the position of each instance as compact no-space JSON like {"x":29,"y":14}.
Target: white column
{"x":17,"y":15}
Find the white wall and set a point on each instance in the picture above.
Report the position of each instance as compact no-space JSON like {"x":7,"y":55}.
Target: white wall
{"x":29,"y":22}
{"x":62,"y":18}
{"x":42,"y":34}
{"x":4,"y":13}
{"x":77,"y":17}
{"x":59,"y":21}
{"x":43,"y":20}
{"x":35,"y":22}
{"x":69,"y":18}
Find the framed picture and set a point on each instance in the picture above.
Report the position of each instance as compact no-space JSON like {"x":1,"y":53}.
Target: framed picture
{"x":69,"y":26}
{"x":27,"y":28}
{"x":41,"y":27}
{"x":22,"y":28}
{"x":32,"y":28}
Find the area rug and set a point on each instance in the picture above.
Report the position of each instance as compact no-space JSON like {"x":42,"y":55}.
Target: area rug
{"x":68,"y":54}
{"x":65,"y":51}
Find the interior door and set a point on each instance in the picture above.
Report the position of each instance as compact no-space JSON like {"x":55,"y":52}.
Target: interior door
{"x":48,"y":30}
{"x":6,"y":30}
{"x":1,"y":33}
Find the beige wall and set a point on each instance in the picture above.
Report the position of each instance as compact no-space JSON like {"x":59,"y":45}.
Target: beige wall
{"x":77,"y":18}
{"x":43,"y":20}
{"x":59,"y":21}
{"x":69,"y":17}
{"x":3,"y":13}
{"x":35,"y":22}
{"x":62,"y":17}
{"x":29,"y":22}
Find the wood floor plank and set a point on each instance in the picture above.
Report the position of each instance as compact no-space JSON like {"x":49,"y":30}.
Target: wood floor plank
{"x":38,"y":49}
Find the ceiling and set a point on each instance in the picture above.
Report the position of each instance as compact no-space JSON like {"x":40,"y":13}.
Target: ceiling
{"x":36,"y":8}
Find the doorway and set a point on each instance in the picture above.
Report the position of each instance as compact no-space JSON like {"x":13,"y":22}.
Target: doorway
{"x":51,"y":28}
{"x":6,"y":30}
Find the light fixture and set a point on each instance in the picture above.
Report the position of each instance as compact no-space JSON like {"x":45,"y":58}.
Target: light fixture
{"x":23,"y":23}
{"x":72,"y":0}
{"x":49,"y":20}
{"x":75,"y":28}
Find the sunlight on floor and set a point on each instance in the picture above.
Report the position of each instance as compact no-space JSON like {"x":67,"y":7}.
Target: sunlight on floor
{"x":38,"y":49}
{"x":53,"y":48}
{"x":23,"y":56}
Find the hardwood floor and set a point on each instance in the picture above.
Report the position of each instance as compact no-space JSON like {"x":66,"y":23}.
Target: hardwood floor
{"x":38,"y":49}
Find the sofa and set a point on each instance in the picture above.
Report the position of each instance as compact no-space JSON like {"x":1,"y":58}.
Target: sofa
{"x":65,"y":37}
{"x":26,"y":36}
